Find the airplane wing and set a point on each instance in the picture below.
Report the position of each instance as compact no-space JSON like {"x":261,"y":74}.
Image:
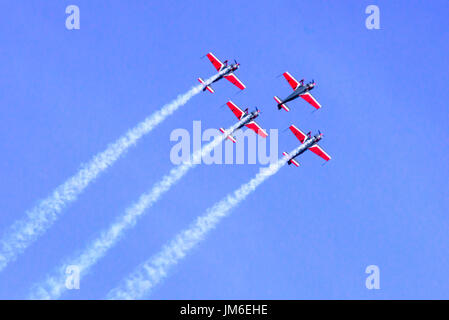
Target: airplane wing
{"x":311,"y":99}
{"x":236,"y":110}
{"x":235,"y":81}
{"x":298,"y":133}
{"x":320,"y":152}
{"x":253,"y":125}
{"x":291,"y":81}
{"x":217,"y":63}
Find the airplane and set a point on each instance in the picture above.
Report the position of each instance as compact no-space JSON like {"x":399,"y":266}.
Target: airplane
{"x":308,"y":142}
{"x":248,"y":120}
{"x":224,"y":71}
{"x":299,"y":90}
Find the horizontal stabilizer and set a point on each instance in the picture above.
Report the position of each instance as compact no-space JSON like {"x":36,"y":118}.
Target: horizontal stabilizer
{"x":281,"y":105}
{"x":294,"y":162}
{"x":230,"y":137}
{"x":209,"y":88}
{"x":290,"y":161}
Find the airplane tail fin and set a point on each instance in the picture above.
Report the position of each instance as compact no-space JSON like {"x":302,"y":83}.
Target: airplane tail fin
{"x":230,"y":137}
{"x":280,"y":104}
{"x":209,"y":88}
{"x":290,"y":161}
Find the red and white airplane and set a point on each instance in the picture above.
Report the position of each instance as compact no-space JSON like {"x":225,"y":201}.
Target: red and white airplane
{"x":246,"y":119}
{"x":308,"y":142}
{"x":299,"y":90}
{"x":224,"y":71}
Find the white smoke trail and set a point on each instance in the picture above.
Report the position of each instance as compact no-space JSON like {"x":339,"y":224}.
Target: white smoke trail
{"x":37,"y":220}
{"x":54,"y":286}
{"x":154,"y":270}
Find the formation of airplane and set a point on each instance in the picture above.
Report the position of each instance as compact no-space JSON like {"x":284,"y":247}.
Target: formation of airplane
{"x":309,"y":142}
{"x":246,"y":118}
{"x":299,"y":90}
{"x":224,"y":71}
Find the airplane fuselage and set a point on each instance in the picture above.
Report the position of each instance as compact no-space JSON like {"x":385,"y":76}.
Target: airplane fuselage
{"x":247,"y":119}
{"x":299,"y":91}
{"x":306,"y":145}
{"x":224,"y":72}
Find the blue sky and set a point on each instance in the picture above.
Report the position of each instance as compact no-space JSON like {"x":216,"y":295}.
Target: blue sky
{"x":307,"y":232}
